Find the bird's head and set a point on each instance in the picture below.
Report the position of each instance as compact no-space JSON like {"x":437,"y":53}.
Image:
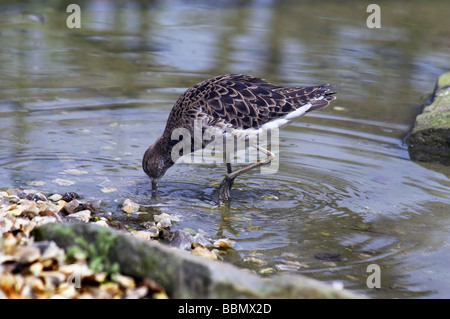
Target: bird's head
{"x":156,"y":161}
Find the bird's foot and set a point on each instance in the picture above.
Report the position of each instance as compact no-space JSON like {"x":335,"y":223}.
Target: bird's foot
{"x":225,"y":188}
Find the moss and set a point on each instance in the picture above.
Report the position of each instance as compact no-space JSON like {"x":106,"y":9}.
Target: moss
{"x":430,"y":138}
{"x":96,"y":247}
{"x":443,"y":80}
{"x":433,"y":120}
{"x":97,"y":252}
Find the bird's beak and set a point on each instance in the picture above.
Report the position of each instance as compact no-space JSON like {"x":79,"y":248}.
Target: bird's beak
{"x":154,"y":185}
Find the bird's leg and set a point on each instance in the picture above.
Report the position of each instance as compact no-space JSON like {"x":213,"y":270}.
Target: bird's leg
{"x":229,"y":169}
{"x":227,"y":183}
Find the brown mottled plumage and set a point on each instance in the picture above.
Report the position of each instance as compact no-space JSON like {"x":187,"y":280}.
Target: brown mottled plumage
{"x":238,"y":103}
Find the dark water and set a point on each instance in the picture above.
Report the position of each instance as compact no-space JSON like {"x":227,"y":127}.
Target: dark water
{"x":78,"y":108}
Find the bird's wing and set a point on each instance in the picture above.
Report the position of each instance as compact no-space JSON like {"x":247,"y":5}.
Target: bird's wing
{"x":242,"y":102}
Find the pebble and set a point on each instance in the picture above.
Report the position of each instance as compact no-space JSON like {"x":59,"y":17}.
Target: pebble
{"x":153,"y":231}
{"x":93,"y":205}
{"x":164,"y":223}
{"x":129,"y":207}
{"x":147,"y":234}
{"x":124,"y":281}
{"x":28,"y":207}
{"x":31,"y":269}
{"x":36,"y":197}
{"x":181,"y":240}
{"x":82,"y":216}
{"x":70,"y":207}
{"x":67,"y":197}
{"x":265,"y":271}
{"x":224,"y":243}
{"x":142,"y":234}
{"x":256,"y":261}
{"x":204,"y":252}
{"x":201,"y":240}
{"x":102,"y":221}
{"x":158,"y":218}
{"x":55,"y":197}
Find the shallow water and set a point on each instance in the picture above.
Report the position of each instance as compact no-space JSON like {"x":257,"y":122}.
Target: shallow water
{"x":78,"y":108}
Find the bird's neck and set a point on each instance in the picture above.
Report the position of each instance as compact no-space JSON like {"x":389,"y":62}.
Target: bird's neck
{"x":164,"y":145}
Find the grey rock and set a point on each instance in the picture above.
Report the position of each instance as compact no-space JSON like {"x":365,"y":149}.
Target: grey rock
{"x":430,"y":138}
{"x":182,"y":274}
{"x":70,"y":207}
{"x":181,"y":240}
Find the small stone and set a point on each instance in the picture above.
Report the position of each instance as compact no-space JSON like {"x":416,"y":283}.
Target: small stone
{"x":102,"y":222}
{"x":204,"y":252}
{"x":267,"y":270}
{"x":93,"y":205}
{"x":15,"y":192}
{"x":49,"y":249}
{"x":51,"y":211}
{"x":83,"y":216}
{"x":42,"y":220}
{"x":129,"y":207}
{"x":5,"y":225}
{"x":66,"y":290}
{"x":154,"y":231}
{"x":36,"y":197}
{"x":256,"y":261}
{"x":61,"y":203}
{"x":52,"y":279}
{"x":224,"y":243}
{"x":123,"y":281}
{"x":181,"y":240}
{"x":55,"y":197}
{"x":80,"y":269}
{"x":164,"y":233}
{"x":148,"y":224}
{"x":28,"y":207}
{"x":27,"y":254}
{"x":36,"y":268}
{"x":200,"y":240}
{"x":70,"y":207}
{"x":69,"y":196}
{"x":164,"y":223}
{"x":158,"y":218}
{"x":32,"y":288}
{"x":13,"y":210}
{"x":111,"y":288}
{"x":23,"y":224}
{"x":137,"y":293}
{"x":142,"y":234}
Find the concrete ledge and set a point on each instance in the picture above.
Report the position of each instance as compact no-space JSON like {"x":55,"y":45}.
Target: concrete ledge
{"x":430,"y":138}
{"x":183,"y":275}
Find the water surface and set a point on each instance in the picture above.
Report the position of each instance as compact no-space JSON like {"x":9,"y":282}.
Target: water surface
{"x":79,"y":107}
